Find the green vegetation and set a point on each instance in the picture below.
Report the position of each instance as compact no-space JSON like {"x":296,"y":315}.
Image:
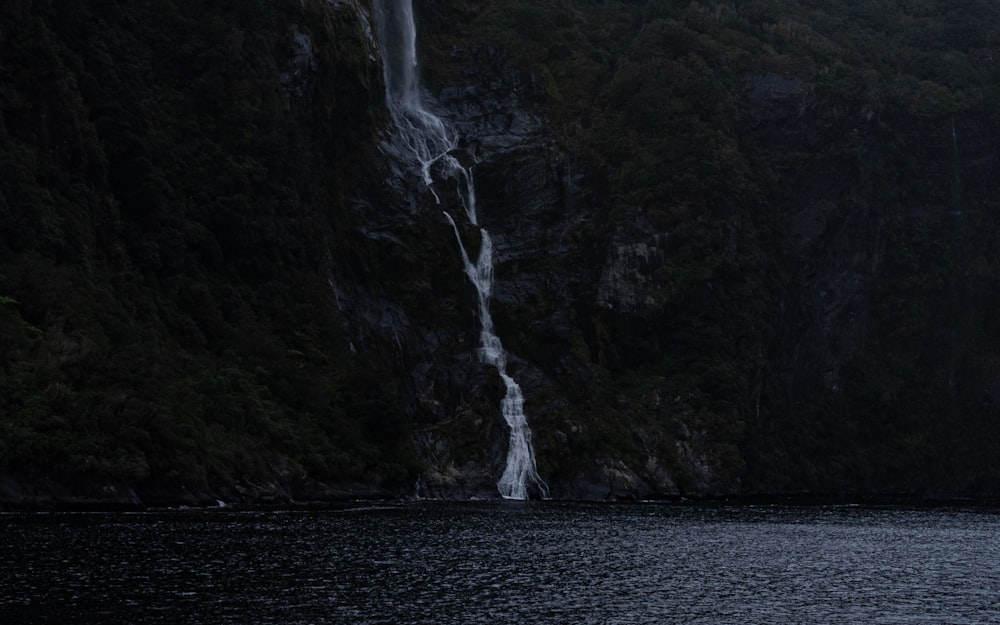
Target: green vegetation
{"x":166,"y":317}
{"x":205,"y":281}
{"x":822,"y":177}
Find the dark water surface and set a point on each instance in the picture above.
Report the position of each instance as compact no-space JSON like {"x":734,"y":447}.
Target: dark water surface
{"x":501,"y":562}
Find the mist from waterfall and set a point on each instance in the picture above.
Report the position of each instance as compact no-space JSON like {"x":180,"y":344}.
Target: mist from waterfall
{"x":423,"y":140}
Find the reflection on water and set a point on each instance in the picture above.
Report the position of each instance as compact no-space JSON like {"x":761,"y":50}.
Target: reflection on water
{"x":502,"y":562}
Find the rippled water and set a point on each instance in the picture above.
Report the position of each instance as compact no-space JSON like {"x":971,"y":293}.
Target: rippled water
{"x":504,"y":562}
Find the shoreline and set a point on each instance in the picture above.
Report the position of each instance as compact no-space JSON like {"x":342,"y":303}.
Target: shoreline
{"x":79,"y":506}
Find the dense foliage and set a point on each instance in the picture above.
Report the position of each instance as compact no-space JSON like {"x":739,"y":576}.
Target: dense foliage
{"x":167,"y":210}
{"x":180,"y":184}
{"x":824,"y":174}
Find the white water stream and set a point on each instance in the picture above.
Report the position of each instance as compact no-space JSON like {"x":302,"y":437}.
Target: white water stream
{"x":425,"y":141}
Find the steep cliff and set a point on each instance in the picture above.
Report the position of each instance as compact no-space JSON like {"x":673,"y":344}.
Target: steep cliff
{"x":177,"y":216}
{"x":744,"y":249}
{"x":741,"y":248}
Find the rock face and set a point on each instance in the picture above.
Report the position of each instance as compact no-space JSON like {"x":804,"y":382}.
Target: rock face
{"x":590,"y":287}
{"x":719,"y":270}
{"x":556,"y":287}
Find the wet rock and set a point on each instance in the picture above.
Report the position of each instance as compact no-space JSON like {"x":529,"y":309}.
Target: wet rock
{"x":700,"y":479}
{"x":298,"y":78}
{"x":609,"y":480}
{"x":659,"y":478}
{"x":466,"y":481}
{"x":682,"y":433}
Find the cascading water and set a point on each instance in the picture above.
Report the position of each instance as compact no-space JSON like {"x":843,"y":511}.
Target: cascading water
{"x":425,"y":141}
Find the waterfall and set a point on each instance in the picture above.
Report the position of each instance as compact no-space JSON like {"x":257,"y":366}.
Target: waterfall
{"x":423,"y":140}
{"x":421,"y":137}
